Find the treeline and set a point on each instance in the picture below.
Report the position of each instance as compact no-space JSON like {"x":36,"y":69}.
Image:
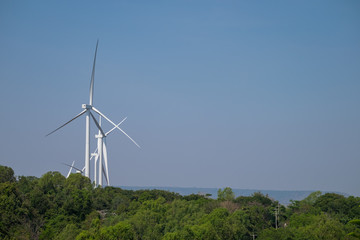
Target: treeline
{"x":53,"y":207}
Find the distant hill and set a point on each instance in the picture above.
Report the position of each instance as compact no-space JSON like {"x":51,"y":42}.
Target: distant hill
{"x":283,"y":197}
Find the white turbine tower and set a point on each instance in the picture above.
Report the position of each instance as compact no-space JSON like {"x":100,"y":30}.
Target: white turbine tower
{"x":87,"y":110}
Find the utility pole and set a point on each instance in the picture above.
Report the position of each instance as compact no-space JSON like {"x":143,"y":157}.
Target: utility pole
{"x":253,"y":235}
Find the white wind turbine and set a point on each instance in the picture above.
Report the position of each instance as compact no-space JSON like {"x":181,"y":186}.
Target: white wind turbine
{"x":71,"y":168}
{"x":87,"y":110}
{"x":101,"y":154}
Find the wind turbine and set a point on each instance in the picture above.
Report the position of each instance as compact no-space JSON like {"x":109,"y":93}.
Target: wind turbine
{"x":71,"y":168}
{"x":87,"y":111}
{"x":101,"y":153}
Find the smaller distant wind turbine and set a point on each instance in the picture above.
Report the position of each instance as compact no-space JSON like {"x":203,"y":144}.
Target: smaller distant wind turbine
{"x":101,"y":154}
{"x":71,"y":168}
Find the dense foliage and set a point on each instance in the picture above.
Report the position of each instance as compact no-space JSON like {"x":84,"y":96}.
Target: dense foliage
{"x":53,"y":207}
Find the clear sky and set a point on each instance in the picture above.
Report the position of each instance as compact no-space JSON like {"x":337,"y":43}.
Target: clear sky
{"x":246,"y":94}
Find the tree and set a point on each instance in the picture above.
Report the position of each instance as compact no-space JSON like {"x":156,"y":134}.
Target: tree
{"x":226,"y":194}
{"x":309,"y":226}
{"x":122,"y":231}
{"x":52,"y":207}
{"x":69,"y":232}
{"x":6,"y":174}
{"x":238,"y":222}
{"x":344,"y":208}
{"x":356,"y":233}
{"x":78,"y":196}
{"x":10,"y":208}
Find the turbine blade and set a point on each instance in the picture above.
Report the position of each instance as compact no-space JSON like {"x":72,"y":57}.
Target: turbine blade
{"x":97,"y":149}
{"x":73,"y":167}
{"x":96,"y":158}
{"x":105,"y":175}
{"x":67,"y":164}
{"x":93,"y":76}
{"x":95,"y":162}
{"x":106,"y":162}
{"x":115,"y":127}
{"x":81,"y":171}
{"x":92,"y":156}
{"x":97,"y":111}
{"x":67,"y":122}
{"x":104,"y":168}
{"x":97,"y":124}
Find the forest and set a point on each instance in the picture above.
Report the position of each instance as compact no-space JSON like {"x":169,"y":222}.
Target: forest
{"x":55,"y":207}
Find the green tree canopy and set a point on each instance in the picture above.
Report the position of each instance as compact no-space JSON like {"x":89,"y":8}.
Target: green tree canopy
{"x":226,"y":194}
{"x":6,"y":174}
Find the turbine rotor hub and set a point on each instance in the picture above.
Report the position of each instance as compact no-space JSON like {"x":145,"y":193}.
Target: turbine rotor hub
{"x":86,"y":106}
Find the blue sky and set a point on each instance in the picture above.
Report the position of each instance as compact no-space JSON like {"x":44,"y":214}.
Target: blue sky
{"x":246,"y":94}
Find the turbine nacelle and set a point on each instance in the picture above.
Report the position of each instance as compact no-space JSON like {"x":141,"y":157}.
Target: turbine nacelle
{"x":99,"y":136}
{"x":86,"y":106}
